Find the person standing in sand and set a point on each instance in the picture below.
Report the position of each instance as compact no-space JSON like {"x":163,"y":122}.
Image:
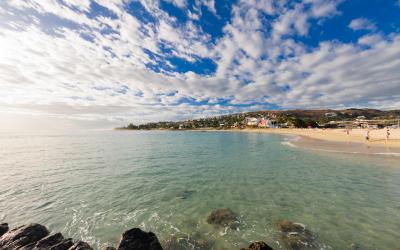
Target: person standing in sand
{"x":387,"y":134}
{"x":367,"y":135}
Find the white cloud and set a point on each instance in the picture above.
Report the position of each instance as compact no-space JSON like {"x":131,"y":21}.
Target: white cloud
{"x":324,"y":8}
{"x":362,"y":24}
{"x":179,"y":3}
{"x":211,"y":6}
{"x":83,"y":5}
{"x":64,"y":74}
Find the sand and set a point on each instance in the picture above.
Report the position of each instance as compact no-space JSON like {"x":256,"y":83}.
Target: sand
{"x":377,"y":136}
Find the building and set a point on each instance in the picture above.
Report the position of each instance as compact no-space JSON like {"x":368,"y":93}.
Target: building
{"x":266,"y":123}
{"x":262,"y":123}
{"x":330,"y":114}
{"x":360,"y":118}
{"x":251,"y":121}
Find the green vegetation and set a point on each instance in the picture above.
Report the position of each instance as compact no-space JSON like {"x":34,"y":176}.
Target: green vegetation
{"x":289,"y":118}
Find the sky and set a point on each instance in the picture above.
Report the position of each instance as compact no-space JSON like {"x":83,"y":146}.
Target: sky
{"x":102,"y":63}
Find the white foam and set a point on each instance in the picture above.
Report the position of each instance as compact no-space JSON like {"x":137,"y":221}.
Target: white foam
{"x":223,"y":233}
{"x":292,"y":138}
{"x":287,"y":143}
{"x":388,"y":153}
{"x":357,"y":152}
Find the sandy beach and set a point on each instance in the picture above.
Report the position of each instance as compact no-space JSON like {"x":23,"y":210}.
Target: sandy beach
{"x":336,"y":138}
{"x":377,"y":136}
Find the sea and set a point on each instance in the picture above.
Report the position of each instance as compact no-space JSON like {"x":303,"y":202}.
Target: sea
{"x":94,"y":185}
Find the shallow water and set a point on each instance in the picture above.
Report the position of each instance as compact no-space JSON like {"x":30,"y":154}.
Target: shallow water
{"x":95,"y":185}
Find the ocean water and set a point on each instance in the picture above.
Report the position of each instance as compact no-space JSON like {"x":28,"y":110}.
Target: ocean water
{"x":95,"y":185}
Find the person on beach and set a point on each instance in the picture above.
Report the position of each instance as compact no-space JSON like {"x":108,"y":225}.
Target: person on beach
{"x":367,"y":135}
{"x":387,"y":134}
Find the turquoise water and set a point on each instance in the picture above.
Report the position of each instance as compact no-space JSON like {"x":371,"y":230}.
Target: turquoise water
{"x":95,"y":185}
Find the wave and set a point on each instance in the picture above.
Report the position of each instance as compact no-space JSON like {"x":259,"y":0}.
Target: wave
{"x":388,"y":153}
{"x":356,"y":152}
{"x":288,"y":143}
{"x":292,"y":138}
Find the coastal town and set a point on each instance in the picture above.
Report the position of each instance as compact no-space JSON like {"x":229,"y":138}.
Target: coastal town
{"x":347,"y":119}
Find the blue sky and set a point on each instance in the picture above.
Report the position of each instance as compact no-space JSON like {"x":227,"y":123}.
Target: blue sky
{"x":119,"y":61}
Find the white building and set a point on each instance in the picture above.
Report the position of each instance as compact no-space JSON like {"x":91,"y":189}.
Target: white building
{"x":251,"y":121}
{"x":330,"y":114}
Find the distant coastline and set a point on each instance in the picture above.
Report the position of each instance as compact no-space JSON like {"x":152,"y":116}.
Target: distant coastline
{"x":338,"y":136}
{"x":370,"y":127}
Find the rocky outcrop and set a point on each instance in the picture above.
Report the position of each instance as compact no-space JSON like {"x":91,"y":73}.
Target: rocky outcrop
{"x":22,"y":236}
{"x":136,"y":239}
{"x":295,"y":235}
{"x":36,"y":237}
{"x":223,"y":217}
{"x":258,"y":245}
{"x":3,"y":228}
{"x":108,"y":248}
{"x":46,"y":242}
{"x":65,"y":244}
{"x":80,"y":245}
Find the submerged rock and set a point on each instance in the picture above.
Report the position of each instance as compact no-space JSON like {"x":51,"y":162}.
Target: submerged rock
{"x":184,"y":194}
{"x":3,"y":228}
{"x":295,"y":235}
{"x":187,"y":242}
{"x":136,"y":239}
{"x":80,"y":245}
{"x":223,"y":217}
{"x":258,"y":245}
{"x":22,"y":236}
{"x":108,"y":248}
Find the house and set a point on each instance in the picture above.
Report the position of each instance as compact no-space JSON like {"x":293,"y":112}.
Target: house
{"x":359,"y":118}
{"x":266,"y":123}
{"x":330,"y":114}
{"x":262,"y":123}
{"x":251,"y":121}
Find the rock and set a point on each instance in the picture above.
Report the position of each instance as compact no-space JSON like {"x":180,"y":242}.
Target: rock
{"x":258,"y":245}
{"x":185,"y":242}
{"x":223,"y":217}
{"x":184,"y":194}
{"x":22,"y":236}
{"x":63,"y":245}
{"x":3,"y":228}
{"x":46,"y":242}
{"x":108,"y":248}
{"x":136,"y":239}
{"x":80,"y":245}
{"x":295,"y":235}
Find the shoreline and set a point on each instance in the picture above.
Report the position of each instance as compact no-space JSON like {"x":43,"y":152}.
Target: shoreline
{"x":377,"y":136}
{"x":324,"y":140}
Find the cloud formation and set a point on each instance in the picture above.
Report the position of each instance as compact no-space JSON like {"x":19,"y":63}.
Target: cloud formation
{"x":139,"y":61}
{"x":362,"y":24}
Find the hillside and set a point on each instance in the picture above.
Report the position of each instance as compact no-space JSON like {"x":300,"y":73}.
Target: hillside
{"x":295,"y":118}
